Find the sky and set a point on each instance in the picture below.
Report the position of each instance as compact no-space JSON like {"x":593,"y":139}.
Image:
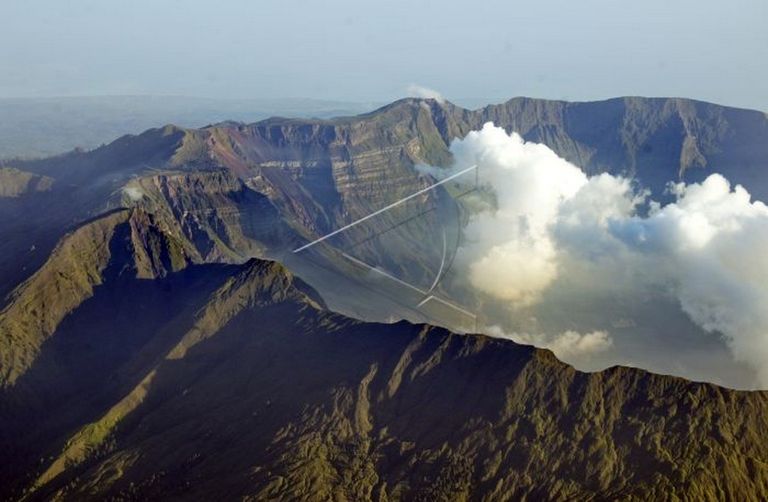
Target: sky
{"x":373,"y":51}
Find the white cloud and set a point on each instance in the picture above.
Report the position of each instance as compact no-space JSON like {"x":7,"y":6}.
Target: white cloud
{"x":419,"y":91}
{"x":568,"y":346}
{"x":549,"y":220}
{"x":571,"y":343}
{"x":511,"y":248}
{"x":714,"y":240}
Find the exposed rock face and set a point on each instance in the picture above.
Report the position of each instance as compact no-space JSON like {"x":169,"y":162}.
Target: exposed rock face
{"x":230,"y":192}
{"x":233,"y":191}
{"x":263,"y":394}
{"x":658,"y":140}
{"x":221,"y":218}
{"x":323,"y":173}
{"x":140,"y":357}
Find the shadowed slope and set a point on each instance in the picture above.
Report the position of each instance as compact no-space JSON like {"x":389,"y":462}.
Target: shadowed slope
{"x":133,"y":366}
{"x":266,"y":396}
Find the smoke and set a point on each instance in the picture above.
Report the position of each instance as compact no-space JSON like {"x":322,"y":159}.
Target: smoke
{"x":418,"y":91}
{"x":549,"y":225}
{"x":133,"y":193}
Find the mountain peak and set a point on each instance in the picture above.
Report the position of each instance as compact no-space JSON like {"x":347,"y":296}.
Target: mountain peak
{"x":269,"y":281}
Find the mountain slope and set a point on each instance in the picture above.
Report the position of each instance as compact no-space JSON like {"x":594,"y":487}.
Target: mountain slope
{"x":232,"y":191}
{"x":266,"y":395}
{"x":322,"y":173}
{"x":260,"y":392}
{"x":84,"y":260}
{"x":143,"y":356}
{"x":15,"y":183}
{"x":656,"y":139}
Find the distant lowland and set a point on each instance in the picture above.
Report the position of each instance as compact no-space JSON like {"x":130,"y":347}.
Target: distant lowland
{"x":40,"y":127}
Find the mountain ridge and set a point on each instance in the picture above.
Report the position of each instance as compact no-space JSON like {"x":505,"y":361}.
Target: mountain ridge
{"x":237,"y":191}
{"x":358,"y":432}
{"x":148,"y":349}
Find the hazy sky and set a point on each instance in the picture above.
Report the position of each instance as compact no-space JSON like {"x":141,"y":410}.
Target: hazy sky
{"x":371,"y":51}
